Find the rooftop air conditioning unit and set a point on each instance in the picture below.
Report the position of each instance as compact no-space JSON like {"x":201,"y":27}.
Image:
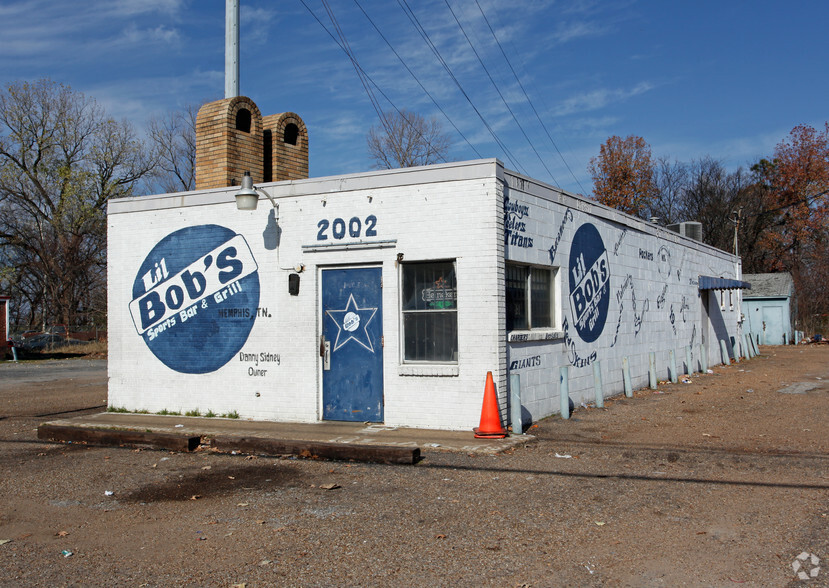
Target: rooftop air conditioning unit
{"x":692,"y":230}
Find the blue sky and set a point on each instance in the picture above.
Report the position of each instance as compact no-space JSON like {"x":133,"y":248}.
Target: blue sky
{"x":723,"y":78}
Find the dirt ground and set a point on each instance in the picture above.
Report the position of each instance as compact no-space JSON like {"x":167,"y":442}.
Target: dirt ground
{"x":720,"y":482}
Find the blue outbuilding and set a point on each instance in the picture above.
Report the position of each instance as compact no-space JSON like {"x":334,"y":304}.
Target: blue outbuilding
{"x":770,"y":308}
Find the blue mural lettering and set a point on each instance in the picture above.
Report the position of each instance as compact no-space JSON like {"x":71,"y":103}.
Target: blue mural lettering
{"x":514,"y":225}
{"x":660,"y":300}
{"x":663,"y":258}
{"x":518,"y":364}
{"x":568,"y":216}
{"x":572,"y":355}
{"x":640,"y":318}
{"x":589,"y":282}
{"x":683,"y":308}
{"x":353,"y":228}
{"x":619,"y":242}
{"x":679,"y":266}
{"x":195,"y":298}
{"x":257,"y":358}
{"x":637,"y":318}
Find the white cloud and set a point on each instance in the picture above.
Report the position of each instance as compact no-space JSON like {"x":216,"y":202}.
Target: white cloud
{"x":132,"y":35}
{"x":567,"y":32}
{"x":139,"y":98}
{"x":598,"y":99}
{"x":734,"y":152}
{"x":134,"y":7}
{"x":69,"y":31}
{"x":256,"y":23}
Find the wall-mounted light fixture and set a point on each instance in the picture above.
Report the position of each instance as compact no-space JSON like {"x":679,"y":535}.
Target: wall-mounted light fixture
{"x":248,"y":197}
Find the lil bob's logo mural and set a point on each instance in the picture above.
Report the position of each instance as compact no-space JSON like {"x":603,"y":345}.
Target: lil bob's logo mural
{"x":195,"y":298}
{"x":589,"y":282}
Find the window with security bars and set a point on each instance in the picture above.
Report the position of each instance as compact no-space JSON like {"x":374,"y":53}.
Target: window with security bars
{"x":529,"y":294}
{"x":430,"y":311}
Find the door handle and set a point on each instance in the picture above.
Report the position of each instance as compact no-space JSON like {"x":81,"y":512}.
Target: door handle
{"x":325,"y":353}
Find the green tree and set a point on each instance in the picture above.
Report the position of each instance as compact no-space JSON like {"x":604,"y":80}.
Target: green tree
{"x":61,"y":159}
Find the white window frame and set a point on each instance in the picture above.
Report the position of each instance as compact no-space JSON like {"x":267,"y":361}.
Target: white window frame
{"x":425,"y":362}
{"x":530,"y":333}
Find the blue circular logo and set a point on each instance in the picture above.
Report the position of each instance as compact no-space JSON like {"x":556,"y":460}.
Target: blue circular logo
{"x":589,"y":282}
{"x":195,"y":297}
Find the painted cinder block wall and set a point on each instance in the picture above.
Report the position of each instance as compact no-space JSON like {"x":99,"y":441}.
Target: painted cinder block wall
{"x":449,"y":212}
{"x":651,"y":298}
{"x":472,"y":212}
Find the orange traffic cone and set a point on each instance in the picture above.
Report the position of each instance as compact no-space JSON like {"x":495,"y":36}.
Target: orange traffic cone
{"x":490,"y":427}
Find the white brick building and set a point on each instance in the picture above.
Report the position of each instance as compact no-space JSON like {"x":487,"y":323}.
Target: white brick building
{"x":388,"y":296}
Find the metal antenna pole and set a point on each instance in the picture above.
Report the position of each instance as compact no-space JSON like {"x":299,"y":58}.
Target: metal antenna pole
{"x":736,"y":220}
{"x":738,"y":274}
{"x":231,"y":48}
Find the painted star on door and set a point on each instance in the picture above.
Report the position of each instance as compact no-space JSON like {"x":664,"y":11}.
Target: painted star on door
{"x":352,"y":324}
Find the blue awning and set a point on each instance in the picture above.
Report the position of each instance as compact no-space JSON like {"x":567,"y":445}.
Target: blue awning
{"x":710,"y":283}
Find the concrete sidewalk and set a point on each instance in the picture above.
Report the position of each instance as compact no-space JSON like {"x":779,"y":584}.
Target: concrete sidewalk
{"x":427,"y":440}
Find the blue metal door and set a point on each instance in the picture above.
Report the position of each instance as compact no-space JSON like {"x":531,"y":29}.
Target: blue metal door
{"x":352,"y":329}
{"x":773,"y":325}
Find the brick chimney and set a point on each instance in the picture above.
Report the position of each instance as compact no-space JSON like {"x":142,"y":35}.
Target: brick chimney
{"x":233,"y":137}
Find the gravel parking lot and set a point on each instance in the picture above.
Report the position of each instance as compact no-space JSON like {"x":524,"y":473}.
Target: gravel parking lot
{"x":720,"y":482}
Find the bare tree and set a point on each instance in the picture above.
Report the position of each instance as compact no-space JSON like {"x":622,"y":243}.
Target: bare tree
{"x":174,"y":138}
{"x":810,"y":278}
{"x":706,"y":192}
{"x":671,"y":182}
{"x":61,"y":159}
{"x":710,"y":197}
{"x":407,"y":139}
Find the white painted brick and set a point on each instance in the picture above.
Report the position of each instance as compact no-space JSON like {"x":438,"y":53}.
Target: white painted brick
{"x":455,"y":212}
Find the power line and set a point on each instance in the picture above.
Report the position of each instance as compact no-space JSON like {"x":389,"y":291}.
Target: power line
{"x":422,"y":87}
{"x":497,"y":89}
{"x":361,"y":72}
{"x":369,"y":85}
{"x":422,"y":31}
{"x":517,"y":79}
